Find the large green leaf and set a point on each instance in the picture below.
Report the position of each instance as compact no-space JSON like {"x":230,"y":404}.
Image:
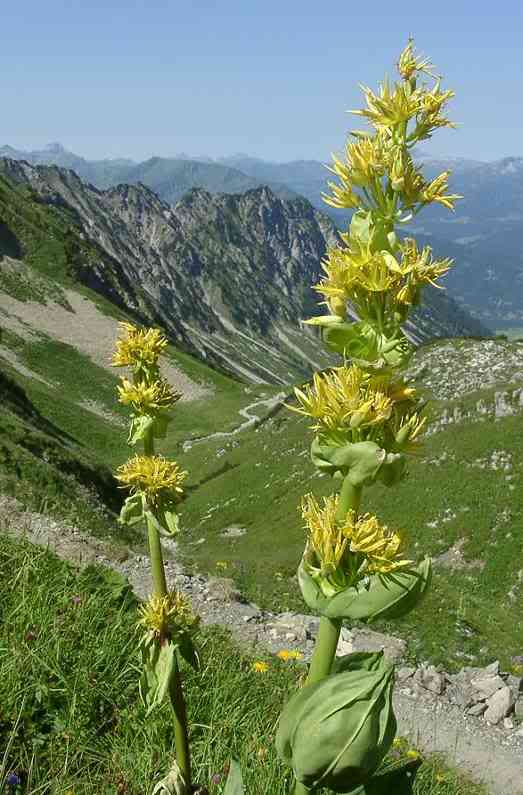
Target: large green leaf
{"x":159,"y":667}
{"x":335,"y":732}
{"x":361,"y":462}
{"x":384,"y":596}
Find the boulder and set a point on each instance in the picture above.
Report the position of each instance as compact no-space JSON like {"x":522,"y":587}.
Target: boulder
{"x":430,"y":679}
{"x":499,"y":705}
{"x":487,"y":684}
{"x":222,"y":589}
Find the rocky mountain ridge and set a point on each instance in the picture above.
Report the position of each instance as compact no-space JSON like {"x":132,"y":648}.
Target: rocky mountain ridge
{"x":483,"y":233}
{"x":227,"y":275}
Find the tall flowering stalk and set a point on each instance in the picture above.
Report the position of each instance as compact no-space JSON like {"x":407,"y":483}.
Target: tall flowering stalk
{"x":338,"y":728}
{"x":155,"y":489}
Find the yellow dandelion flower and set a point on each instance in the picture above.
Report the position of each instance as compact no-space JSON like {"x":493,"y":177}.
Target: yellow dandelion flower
{"x":284,"y":654}
{"x":153,"y":476}
{"x":146,"y":399}
{"x":260,"y":667}
{"x":138,"y":347}
{"x":289,"y":654}
{"x":379,"y":545}
{"x":168,"y":615}
{"x":413,"y":754}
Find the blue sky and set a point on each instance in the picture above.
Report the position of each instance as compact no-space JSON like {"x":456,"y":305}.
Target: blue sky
{"x":273,"y":79}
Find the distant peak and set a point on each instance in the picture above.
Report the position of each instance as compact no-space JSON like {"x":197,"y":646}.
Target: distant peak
{"x":55,"y":147}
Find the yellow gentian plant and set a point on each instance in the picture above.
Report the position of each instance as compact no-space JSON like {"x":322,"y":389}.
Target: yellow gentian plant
{"x":155,"y":489}
{"x":336,"y":731}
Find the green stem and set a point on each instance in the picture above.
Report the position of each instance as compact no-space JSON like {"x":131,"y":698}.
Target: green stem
{"x":156,"y":556}
{"x":330,"y":628}
{"x":155,"y":544}
{"x":181,"y":730}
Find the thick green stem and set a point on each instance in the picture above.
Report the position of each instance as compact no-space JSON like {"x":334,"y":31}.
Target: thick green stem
{"x":181,"y":730}
{"x":329,"y":631}
{"x":156,"y":556}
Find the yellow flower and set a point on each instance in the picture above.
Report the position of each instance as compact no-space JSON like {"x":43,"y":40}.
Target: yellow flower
{"x":392,"y":106}
{"x":168,"y":616}
{"x":410,"y":427}
{"x":326,"y":537}
{"x":342,"y":399}
{"x":153,"y":476}
{"x":413,"y":754}
{"x":260,"y":667}
{"x":379,"y":545}
{"x":146,"y":399}
{"x":221,"y":564}
{"x":138,"y":347}
{"x":343,"y":198}
{"x":409,"y":63}
{"x":435,"y":192}
{"x":289,"y":654}
{"x":284,"y":654}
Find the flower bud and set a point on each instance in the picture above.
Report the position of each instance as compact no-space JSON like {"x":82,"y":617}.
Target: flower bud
{"x":335,"y":733}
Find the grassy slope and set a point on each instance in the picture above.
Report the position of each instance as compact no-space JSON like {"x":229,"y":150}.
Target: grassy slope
{"x":71,"y":718}
{"x":258,"y":482}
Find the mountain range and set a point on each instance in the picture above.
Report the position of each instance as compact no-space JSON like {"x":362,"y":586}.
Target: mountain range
{"x":482,"y":235}
{"x":227,"y":275}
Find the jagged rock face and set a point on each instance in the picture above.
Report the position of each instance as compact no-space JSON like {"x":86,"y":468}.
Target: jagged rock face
{"x":228,"y":275}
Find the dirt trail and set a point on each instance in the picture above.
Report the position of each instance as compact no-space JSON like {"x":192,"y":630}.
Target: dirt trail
{"x":250,"y":420}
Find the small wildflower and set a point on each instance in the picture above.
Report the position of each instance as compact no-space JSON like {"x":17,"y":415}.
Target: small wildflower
{"x":289,"y":654}
{"x":260,"y":667}
{"x":76,"y":600}
{"x":413,"y":754}
{"x":13,"y":780}
{"x":216,"y":779}
{"x":153,"y":476}
{"x":222,"y":564}
{"x":284,"y":654}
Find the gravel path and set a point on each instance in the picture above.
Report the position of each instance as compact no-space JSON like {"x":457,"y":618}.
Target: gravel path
{"x":486,"y":752}
{"x":249,"y":422}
